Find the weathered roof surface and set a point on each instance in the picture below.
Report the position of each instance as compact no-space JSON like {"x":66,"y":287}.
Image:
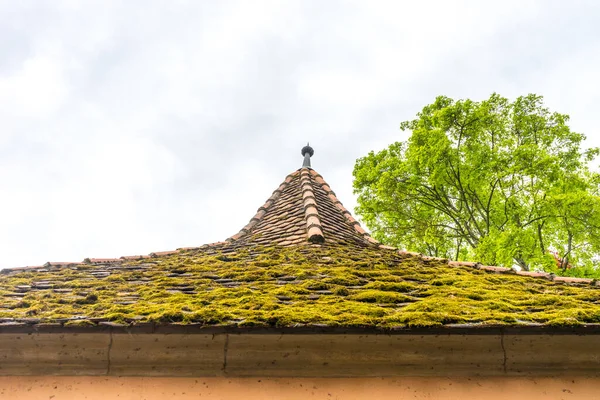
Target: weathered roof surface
{"x":301,"y":261}
{"x":328,"y":284}
{"x":303,"y":208}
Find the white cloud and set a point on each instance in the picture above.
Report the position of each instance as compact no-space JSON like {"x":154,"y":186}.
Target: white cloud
{"x":37,"y":90}
{"x":130,"y":127}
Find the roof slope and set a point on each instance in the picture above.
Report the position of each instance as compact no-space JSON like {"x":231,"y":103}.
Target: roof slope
{"x":326,"y":284}
{"x":301,"y":261}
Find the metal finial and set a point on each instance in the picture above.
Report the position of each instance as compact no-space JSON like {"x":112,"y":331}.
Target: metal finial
{"x":307,"y":152}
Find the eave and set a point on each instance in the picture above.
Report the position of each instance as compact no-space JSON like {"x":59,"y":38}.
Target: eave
{"x":177,"y":351}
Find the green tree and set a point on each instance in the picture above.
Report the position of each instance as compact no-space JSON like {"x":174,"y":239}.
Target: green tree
{"x":494,"y":181}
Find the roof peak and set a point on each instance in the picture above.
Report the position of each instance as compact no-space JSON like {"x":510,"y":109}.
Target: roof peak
{"x":307,"y":152}
{"x":303,"y":209}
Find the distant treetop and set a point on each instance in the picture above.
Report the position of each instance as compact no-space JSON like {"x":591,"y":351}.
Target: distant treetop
{"x":495,"y":181}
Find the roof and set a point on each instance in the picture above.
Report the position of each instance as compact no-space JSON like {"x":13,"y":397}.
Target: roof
{"x":303,"y":208}
{"x":301,"y":261}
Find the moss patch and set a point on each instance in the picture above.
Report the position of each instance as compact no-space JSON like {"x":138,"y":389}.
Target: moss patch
{"x":276,"y":286}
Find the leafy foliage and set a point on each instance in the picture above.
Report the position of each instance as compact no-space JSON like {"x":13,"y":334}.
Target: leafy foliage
{"x":494,"y":181}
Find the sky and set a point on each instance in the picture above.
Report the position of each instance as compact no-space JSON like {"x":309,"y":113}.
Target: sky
{"x":128,"y":127}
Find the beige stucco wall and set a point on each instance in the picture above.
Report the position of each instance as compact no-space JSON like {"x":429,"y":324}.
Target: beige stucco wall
{"x":123,"y":388}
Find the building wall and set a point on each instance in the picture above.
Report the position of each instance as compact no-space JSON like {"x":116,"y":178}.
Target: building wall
{"x":124,"y":388}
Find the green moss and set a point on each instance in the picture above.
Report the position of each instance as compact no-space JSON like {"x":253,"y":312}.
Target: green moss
{"x":275,"y":286}
{"x":313,"y":284}
{"x":89,"y":299}
{"x":392,"y":286}
{"x":341,"y":291}
{"x":425,"y":320}
{"x":379,"y":296}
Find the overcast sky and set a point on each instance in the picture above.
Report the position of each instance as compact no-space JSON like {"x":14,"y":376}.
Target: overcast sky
{"x":139,"y":126}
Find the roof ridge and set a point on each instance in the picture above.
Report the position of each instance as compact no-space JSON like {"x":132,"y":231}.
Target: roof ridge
{"x":502,"y":270}
{"x":347,"y":214}
{"x":105,"y":261}
{"x":314,"y":229}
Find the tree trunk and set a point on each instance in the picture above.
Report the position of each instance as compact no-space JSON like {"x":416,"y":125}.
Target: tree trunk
{"x":565,"y":259}
{"x":522,"y":263}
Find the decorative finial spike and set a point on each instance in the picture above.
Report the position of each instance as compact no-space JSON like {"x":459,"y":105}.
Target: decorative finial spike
{"x":307,"y":152}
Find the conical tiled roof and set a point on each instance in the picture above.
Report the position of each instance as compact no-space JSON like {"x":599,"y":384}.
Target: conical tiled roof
{"x":302,"y":261}
{"x":303,"y":208}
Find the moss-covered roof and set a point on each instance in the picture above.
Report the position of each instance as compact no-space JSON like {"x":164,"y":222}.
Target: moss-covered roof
{"x":301,"y":261}
{"x":291,"y":286}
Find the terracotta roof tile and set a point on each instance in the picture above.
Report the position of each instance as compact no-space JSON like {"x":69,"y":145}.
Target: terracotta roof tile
{"x":533,"y":274}
{"x":163,"y":253}
{"x":140,"y":257}
{"x":102,"y":260}
{"x":463,"y":263}
{"x":409,"y":253}
{"x":494,"y":269}
{"x":60,"y":263}
{"x":569,"y":279}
